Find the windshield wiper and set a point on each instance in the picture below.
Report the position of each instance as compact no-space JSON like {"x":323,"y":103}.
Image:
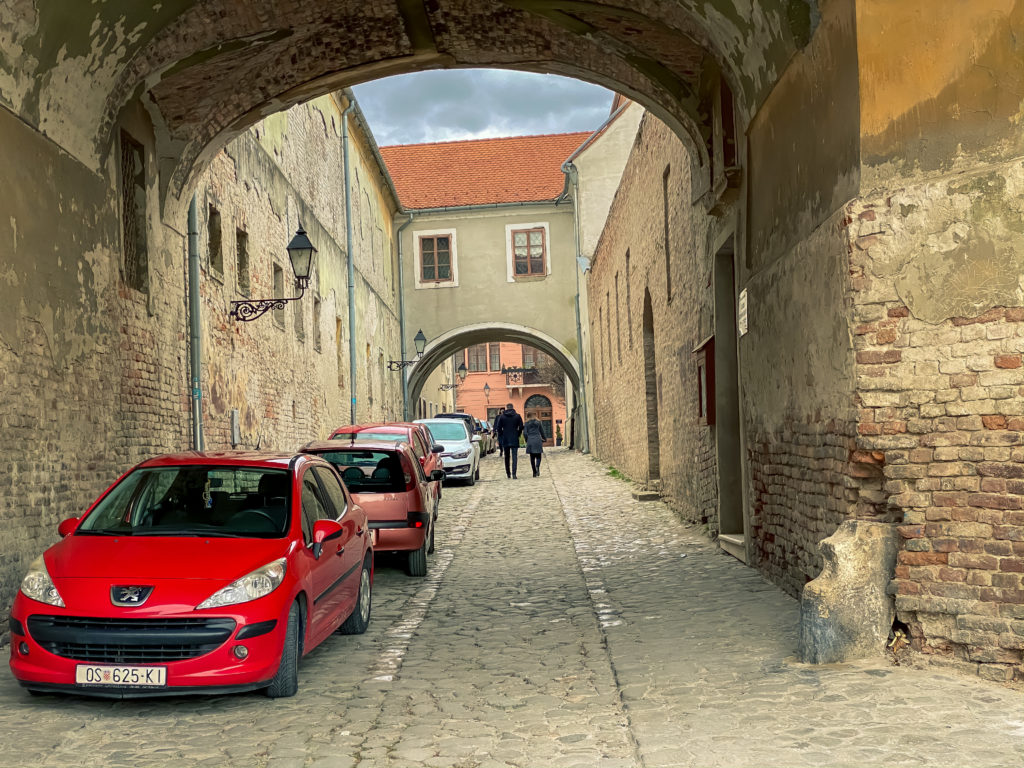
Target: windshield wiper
{"x":192,"y":532}
{"x":104,"y":532}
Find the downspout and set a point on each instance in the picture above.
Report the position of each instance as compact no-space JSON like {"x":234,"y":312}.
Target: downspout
{"x":351,"y":264}
{"x":401,"y":315}
{"x":193,"y":326}
{"x":572,"y":176}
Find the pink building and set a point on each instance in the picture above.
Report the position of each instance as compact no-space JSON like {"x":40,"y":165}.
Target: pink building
{"x":486,"y":390}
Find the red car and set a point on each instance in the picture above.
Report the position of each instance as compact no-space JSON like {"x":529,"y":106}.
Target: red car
{"x":196,"y":573}
{"x":418,"y":437}
{"x":387,"y":480}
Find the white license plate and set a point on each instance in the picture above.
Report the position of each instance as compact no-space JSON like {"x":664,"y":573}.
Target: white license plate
{"x":124,"y":677}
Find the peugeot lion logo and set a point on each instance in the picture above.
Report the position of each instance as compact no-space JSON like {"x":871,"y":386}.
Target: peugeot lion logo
{"x":129,"y":596}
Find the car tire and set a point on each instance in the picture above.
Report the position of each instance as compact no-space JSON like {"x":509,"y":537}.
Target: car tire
{"x":471,"y":480}
{"x":357,"y":623}
{"x":416,"y":564}
{"x":476,"y":476}
{"x":286,"y":682}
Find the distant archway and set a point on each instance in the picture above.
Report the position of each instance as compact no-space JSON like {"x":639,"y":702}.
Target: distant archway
{"x":540,"y":406}
{"x":451,"y":342}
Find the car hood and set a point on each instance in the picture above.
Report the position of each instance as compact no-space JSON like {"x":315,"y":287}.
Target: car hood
{"x":160,"y":557}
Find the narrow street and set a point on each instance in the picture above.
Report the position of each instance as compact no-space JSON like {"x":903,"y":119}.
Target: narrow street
{"x":562,"y":623}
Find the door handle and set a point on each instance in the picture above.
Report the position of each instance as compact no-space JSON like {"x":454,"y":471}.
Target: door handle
{"x":359,"y":531}
{"x":340,"y":552}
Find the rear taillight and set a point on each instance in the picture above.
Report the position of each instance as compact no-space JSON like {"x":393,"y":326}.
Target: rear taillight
{"x":409,"y":473}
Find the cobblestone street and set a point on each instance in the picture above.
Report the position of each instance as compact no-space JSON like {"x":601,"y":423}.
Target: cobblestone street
{"x":562,"y":623}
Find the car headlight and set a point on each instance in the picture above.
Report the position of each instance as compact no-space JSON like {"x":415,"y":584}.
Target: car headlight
{"x":252,"y":586}
{"x":38,"y":585}
{"x":460,"y":454}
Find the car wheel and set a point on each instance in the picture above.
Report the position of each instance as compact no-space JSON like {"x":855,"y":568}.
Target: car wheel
{"x":471,"y":480}
{"x":430,"y":549}
{"x":476,"y":475}
{"x":357,"y":623}
{"x":416,"y":565}
{"x":286,"y":681}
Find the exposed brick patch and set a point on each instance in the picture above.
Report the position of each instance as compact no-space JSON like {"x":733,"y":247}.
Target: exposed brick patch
{"x":1008,"y":361}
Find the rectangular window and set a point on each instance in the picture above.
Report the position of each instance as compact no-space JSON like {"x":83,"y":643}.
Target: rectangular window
{"x":476,"y":358}
{"x":533,"y":358}
{"x":435,"y":259}
{"x":278,"y":294}
{"x":492,"y":414}
{"x":529,"y":251}
{"x":213,"y":241}
{"x":133,"y":213}
{"x":316,"y":323}
{"x":495,"y":350}
{"x":242,"y":261}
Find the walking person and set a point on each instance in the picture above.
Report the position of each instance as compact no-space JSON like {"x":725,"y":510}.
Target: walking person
{"x":508,"y":427}
{"x":533,"y":431}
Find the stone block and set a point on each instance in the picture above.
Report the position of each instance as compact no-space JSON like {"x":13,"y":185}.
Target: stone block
{"x":846,"y":612}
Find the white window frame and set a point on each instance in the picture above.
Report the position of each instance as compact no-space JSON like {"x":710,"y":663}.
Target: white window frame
{"x":418,"y":275}
{"x":509,"y":258}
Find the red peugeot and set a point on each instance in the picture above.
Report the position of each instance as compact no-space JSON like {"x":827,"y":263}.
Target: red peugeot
{"x":196,"y":573}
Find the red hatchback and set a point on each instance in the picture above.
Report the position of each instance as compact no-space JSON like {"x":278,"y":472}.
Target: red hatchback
{"x":387,"y":481}
{"x":416,"y":435}
{"x":196,"y":573}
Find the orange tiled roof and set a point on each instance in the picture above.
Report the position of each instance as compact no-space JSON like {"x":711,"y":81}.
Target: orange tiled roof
{"x":480,"y":171}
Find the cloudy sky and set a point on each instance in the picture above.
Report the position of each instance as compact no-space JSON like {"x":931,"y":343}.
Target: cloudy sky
{"x":448,"y":105}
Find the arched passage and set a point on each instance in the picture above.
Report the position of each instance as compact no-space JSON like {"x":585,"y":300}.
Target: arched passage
{"x":451,"y":342}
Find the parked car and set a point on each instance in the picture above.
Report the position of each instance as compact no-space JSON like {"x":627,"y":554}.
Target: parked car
{"x":488,"y":440}
{"x":388,"y":482}
{"x":471,"y":421}
{"x":461,"y":448}
{"x":418,"y":436}
{"x":196,"y":573}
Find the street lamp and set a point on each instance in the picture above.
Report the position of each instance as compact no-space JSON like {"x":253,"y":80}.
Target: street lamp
{"x":300,"y":253}
{"x":421,"y":343}
{"x":462,"y":371}
{"x":487,"y":392}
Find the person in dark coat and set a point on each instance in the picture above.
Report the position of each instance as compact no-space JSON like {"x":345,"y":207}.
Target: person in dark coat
{"x":533,"y":431}
{"x":508,"y":427}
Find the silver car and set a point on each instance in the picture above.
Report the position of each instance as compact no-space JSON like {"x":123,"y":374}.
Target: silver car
{"x":461,"y":450}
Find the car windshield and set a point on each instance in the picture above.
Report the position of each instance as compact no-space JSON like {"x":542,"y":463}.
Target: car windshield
{"x":244,"y":502}
{"x":449,"y":430}
{"x":369,"y":471}
{"x":390,"y":437}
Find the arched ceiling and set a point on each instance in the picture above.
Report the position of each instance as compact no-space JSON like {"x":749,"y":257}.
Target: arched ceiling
{"x":207,"y":69}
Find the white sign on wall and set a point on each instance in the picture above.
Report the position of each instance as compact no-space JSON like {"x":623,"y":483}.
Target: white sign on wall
{"x":741,"y":312}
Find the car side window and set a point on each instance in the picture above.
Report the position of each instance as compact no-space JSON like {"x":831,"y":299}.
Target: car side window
{"x":332,"y":487}
{"x":313,"y":507}
{"x":417,"y":446}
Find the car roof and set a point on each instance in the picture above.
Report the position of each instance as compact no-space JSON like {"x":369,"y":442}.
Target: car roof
{"x":318,"y":446}
{"x":272,"y":459}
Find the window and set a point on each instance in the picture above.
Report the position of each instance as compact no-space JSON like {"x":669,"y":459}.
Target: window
{"x":476,"y":358}
{"x":618,"y":318}
{"x":664,"y":219}
{"x":332,"y":490}
{"x":533,"y":358}
{"x":242,"y":261}
{"x":495,"y":350}
{"x":528,"y":251}
{"x":133,"y":213}
{"x":435,"y":259}
{"x":278,"y":294}
{"x":316,"y":323}
{"x":313,"y":507}
{"x":213,"y":241}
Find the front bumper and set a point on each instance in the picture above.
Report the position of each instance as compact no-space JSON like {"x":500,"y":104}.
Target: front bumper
{"x":48,"y":645}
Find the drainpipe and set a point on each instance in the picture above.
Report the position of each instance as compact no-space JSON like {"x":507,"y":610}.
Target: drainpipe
{"x":193,"y":325}
{"x":572,"y":176}
{"x":351,"y":263}
{"x":401,"y":315}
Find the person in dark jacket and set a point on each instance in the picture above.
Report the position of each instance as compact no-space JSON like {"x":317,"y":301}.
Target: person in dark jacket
{"x":533,"y":431}
{"x":508,"y":427}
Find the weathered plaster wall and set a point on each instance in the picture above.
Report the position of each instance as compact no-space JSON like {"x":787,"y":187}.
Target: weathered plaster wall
{"x":803,"y":143}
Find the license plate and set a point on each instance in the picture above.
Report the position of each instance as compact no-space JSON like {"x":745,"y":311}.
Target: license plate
{"x":123,"y":677}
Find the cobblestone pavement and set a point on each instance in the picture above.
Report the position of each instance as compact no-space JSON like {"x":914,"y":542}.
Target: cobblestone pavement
{"x":561,"y":624}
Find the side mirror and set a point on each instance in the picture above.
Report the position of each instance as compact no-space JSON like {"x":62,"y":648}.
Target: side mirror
{"x":437,"y":475}
{"x":437,"y":449}
{"x":324,"y":530}
{"x":67,"y":527}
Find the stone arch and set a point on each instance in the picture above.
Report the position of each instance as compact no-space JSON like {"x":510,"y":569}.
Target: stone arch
{"x":208,"y":69}
{"x":450,"y":342}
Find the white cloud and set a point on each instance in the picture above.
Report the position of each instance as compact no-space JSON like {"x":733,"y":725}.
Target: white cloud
{"x":450,"y":105}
